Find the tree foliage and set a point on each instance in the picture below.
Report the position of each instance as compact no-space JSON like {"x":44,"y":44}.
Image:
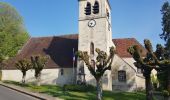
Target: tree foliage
{"x":23,"y":65}
{"x":144,"y":64}
{"x":166,"y":25}
{"x":12,"y":32}
{"x":165,"y":21}
{"x":103,"y":63}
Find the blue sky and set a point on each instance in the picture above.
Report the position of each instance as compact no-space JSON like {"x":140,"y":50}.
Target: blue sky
{"x":139,"y":19}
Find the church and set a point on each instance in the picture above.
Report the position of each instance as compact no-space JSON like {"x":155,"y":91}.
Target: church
{"x":95,"y":31}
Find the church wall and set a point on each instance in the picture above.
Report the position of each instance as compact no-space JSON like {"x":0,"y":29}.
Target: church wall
{"x":48,"y":76}
{"x":107,"y":85}
{"x":130,"y":83}
{"x":140,"y":80}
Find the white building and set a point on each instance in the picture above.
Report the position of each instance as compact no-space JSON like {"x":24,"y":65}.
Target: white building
{"x":94,"y":32}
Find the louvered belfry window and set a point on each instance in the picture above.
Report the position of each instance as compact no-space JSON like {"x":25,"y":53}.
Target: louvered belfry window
{"x":88,"y":9}
{"x":96,"y":7}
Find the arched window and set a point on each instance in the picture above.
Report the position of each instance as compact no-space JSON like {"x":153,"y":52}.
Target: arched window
{"x":91,"y":48}
{"x":62,"y":71}
{"x":88,"y":9}
{"x":93,"y":64}
{"x":96,"y":7}
{"x":122,"y":76}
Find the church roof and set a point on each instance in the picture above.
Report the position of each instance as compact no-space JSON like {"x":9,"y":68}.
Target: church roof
{"x":60,"y":50}
{"x":123,"y":44}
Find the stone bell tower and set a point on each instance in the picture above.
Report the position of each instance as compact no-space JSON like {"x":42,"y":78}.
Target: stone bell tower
{"x":94,"y":32}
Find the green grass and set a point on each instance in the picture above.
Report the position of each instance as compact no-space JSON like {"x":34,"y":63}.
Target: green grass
{"x":57,"y":91}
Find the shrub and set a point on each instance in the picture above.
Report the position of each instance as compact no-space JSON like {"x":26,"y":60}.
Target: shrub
{"x":80,"y":88}
{"x":165,"y":93}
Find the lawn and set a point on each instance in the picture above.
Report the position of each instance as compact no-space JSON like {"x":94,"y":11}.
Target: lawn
{"x":79,"y":94}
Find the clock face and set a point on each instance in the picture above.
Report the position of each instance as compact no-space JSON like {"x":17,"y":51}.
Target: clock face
{"x":92,"y":23}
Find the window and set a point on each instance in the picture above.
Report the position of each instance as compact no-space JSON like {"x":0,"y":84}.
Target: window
{"x":91,"y":48}
{"x":93,"y":64}
{"x":122,"y":76}
{"x":139,"y":70}
{"x":96,"y":7}
{"x":81,"y":70}
{"x":62,"y":71}
{"x":88,"y":9}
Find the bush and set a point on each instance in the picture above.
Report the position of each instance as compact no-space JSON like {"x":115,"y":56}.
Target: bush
{"x":165,"y":93}
{"x":79,"y":88}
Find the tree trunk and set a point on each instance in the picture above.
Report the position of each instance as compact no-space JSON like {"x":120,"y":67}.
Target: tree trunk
{"x":23,"y":77}
{"x":168,"y":83}
{"x":99,"y":88}
{"x":38,"y":80}
{"x":148,"y":84}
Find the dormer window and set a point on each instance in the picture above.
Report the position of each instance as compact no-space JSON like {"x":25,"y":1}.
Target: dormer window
{"x":96,"y":7}
{"x":88,"y":9}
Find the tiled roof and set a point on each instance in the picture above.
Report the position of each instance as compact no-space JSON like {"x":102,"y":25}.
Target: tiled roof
{"x":60,"y":50}
{"x":123,"y":44}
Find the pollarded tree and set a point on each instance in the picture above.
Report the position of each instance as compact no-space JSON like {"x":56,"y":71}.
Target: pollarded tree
{"x":144,"y":65}
{"x":103,"y":63}
{"x":162,"y":60}
{"x":38,"y":64}
{"x":158,"y":60}
{"x":23,"y":65}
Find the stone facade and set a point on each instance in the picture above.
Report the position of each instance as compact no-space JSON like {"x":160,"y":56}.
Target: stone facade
{"x":100,"y":35}
{"x":133,"y":79}
{"x":48,"y":76}
{"x":123,"y":76}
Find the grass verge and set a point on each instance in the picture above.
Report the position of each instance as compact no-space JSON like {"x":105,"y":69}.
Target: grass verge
{"x":77,"y":94}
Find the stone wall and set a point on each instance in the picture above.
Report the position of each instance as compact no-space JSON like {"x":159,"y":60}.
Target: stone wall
{"x":48,"y":76}
{"x":130,"y":83}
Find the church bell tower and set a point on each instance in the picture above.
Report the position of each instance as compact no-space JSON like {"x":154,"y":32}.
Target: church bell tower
{"x":94,"y":32}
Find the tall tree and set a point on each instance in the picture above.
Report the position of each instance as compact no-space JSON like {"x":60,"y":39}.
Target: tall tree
{"x":38,"y":63}
{"x":166,"y":24}
{"x":12,"y":32}
{"x":23,"y":65}
{"x":165,"y":21}
{"x":103,"y":63}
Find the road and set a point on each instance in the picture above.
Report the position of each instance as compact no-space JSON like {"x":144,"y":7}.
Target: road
{"x":8,"y":94}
